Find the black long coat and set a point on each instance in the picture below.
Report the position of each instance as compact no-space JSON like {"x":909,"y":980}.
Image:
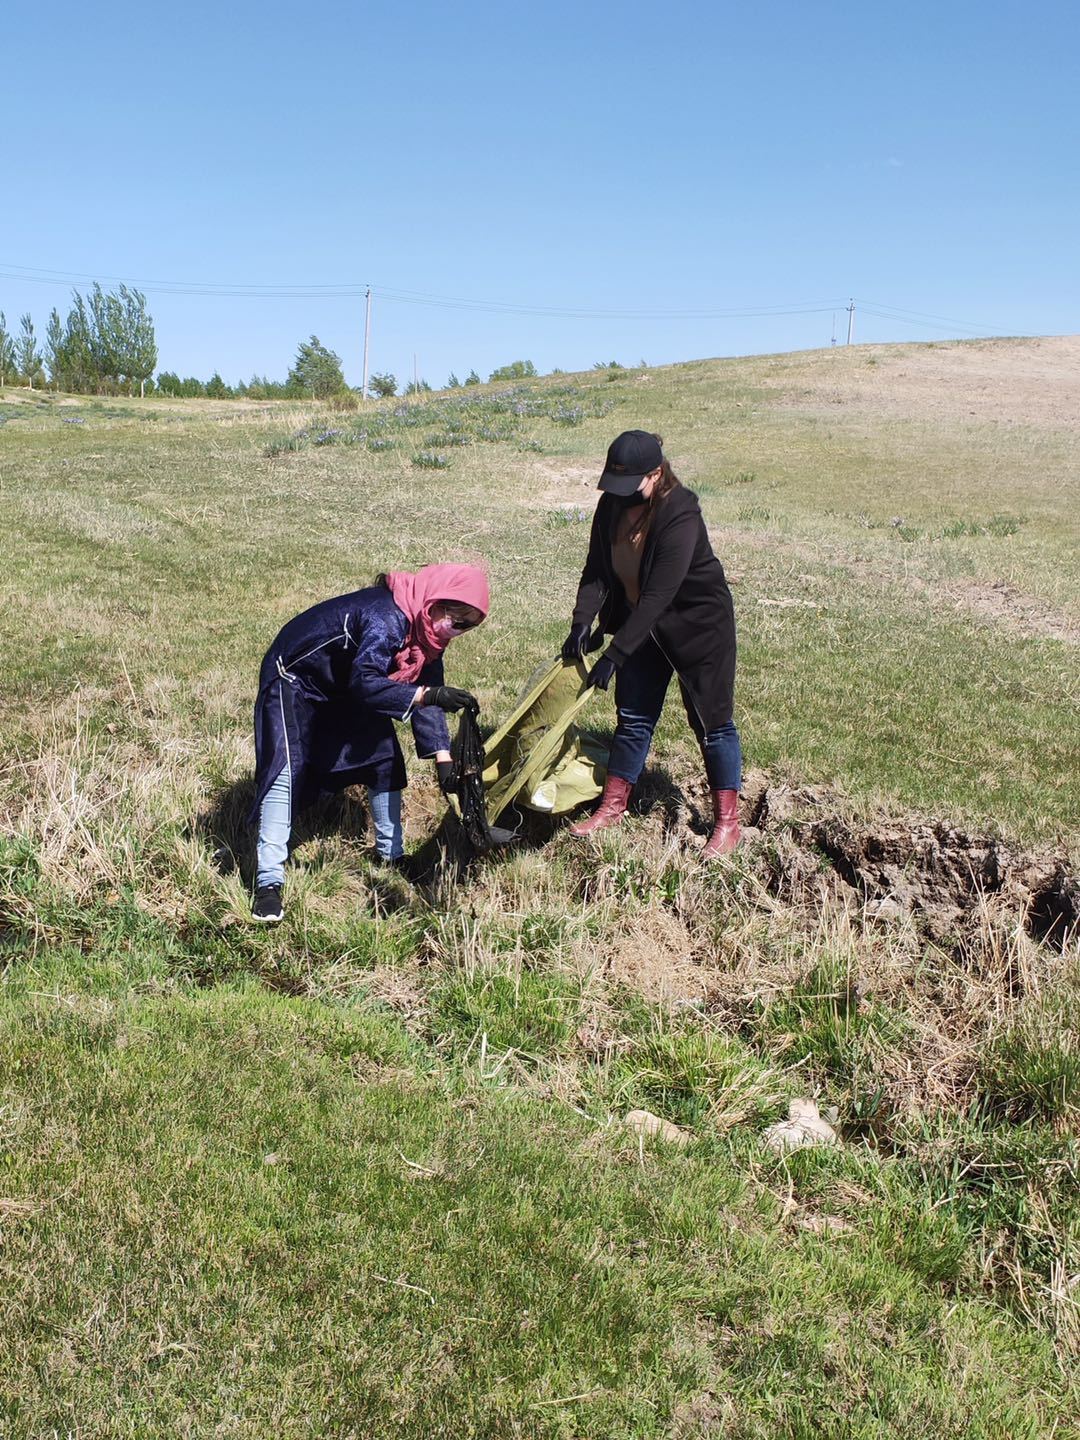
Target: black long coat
{"x":326,"y":705}
{"x":684,"y":604}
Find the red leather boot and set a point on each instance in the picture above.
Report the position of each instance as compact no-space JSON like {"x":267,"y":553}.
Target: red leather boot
{"x":611,"y":809}
{"x":726,"y":832}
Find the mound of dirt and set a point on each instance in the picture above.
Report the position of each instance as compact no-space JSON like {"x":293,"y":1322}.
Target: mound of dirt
{"x":937,"y":874}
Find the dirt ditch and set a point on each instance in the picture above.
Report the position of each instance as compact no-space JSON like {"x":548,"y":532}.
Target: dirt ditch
{"x":932,"y":936}
{"x":940,"y":876}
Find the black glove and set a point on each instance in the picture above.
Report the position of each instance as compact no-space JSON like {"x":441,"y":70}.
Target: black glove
{"x":577,"y":642}
{"x":601,"y":673}
{"x":444,"y":770}
{"x":449,"y":697}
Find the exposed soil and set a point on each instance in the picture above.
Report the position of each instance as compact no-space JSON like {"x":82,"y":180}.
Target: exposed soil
{"x":950,"y":927}
{"x":1003,"y":603}
{"x":1030,"y":382}
{"x":939,"y":876}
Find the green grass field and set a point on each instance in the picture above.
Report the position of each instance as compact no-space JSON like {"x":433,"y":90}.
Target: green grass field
{"x":366,"y":1174}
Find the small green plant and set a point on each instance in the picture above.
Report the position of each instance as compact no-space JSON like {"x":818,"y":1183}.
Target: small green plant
{"x":1000,"y":526}
{"x":696,"y":1078}
{"x":565,"y":519}
{"x":449,"y":439}
{"x":431,"y":460}
{"x":1031,"y":1070}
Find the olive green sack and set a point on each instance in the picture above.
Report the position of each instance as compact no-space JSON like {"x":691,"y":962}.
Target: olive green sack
{"x":538,"y":759}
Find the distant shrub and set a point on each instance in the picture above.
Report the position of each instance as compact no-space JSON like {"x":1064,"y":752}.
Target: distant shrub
{"x":287,"y":444}
{"x":382,"y":386}
{"x":343,"y":400}
{"x":517,"y":370}
{"x":452,"y":437}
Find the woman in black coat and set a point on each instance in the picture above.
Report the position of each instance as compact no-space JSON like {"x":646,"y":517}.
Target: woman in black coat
{"x":660,"y":592}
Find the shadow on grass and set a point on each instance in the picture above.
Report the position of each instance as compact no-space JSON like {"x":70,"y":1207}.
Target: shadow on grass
{"x":227,"y":832}
{"x":657,"y":792}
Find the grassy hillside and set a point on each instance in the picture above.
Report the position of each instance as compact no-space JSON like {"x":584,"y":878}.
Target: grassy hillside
{"x":367,"y":1174}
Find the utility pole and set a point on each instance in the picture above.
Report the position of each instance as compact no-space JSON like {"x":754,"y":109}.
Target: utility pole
{"x":415,"y":376}
{"x":850,"y":321}
{"x":367,"y":337}
{"x":833,"y":339}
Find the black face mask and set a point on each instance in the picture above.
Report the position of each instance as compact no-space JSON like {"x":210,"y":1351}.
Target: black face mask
{"x":624,"y":502}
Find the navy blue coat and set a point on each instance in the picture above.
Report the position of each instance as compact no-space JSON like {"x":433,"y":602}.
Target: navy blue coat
{"x":326,"y":705}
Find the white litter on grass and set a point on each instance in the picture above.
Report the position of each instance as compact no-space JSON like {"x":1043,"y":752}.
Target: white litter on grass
{"x":804,"y":1126}
{"x":648,"y":1125}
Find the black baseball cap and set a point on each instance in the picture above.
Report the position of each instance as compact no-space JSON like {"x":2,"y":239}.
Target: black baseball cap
{"x":630,"y":457}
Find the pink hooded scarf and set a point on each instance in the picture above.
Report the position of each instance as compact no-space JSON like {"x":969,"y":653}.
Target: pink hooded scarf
{"x":414,"y":595}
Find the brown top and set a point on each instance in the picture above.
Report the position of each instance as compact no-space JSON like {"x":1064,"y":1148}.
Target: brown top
{"x":626,"y":550}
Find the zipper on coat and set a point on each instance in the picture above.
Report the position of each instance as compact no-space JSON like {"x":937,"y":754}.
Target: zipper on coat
{"x":693,"y":701}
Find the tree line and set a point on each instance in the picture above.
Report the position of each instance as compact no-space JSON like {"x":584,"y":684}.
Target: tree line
{"x":107,"y":346}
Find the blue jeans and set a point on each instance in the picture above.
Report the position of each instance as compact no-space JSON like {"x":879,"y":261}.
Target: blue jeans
{"x":275,"y":827}
{"x":641,"y":684}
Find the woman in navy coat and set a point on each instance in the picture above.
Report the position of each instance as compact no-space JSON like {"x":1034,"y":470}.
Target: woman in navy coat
{"x":333,"y":683}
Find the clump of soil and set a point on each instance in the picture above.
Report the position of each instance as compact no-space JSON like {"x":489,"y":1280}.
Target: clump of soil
{"x":937,"y":874}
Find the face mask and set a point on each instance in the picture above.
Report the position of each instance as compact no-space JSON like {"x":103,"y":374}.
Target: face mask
{"x":444,"y":629}
{"x":625,"y":501}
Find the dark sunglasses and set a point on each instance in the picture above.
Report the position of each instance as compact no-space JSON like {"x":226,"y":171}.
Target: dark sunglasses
{"x":461,"y":622}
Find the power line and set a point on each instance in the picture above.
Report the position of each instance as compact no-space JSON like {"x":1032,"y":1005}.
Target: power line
{"x":348,"y":290}
{"x":889,"y":312}
{"x":393,"y":295}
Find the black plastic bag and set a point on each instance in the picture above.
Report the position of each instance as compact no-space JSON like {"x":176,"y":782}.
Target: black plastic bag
{"x":467,"y":783}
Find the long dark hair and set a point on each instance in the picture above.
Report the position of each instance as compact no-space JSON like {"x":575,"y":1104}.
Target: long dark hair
{"x":664,"y":486}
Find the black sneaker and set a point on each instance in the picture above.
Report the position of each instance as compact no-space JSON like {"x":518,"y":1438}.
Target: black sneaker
{"x":266,"y":907}
{"x":404,"y":865}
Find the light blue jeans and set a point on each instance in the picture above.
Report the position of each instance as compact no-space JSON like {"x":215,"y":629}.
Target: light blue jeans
{"x":275,"y":827}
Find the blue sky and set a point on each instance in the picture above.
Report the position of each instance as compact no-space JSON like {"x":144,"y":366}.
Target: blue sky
{"x":659,"y":167}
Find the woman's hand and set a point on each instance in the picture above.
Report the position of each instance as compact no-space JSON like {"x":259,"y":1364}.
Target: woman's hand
{"x":444,"y":773}
{"x":450,"y":698}
{"x":601,"y":673}
{"x":577,"y":642}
